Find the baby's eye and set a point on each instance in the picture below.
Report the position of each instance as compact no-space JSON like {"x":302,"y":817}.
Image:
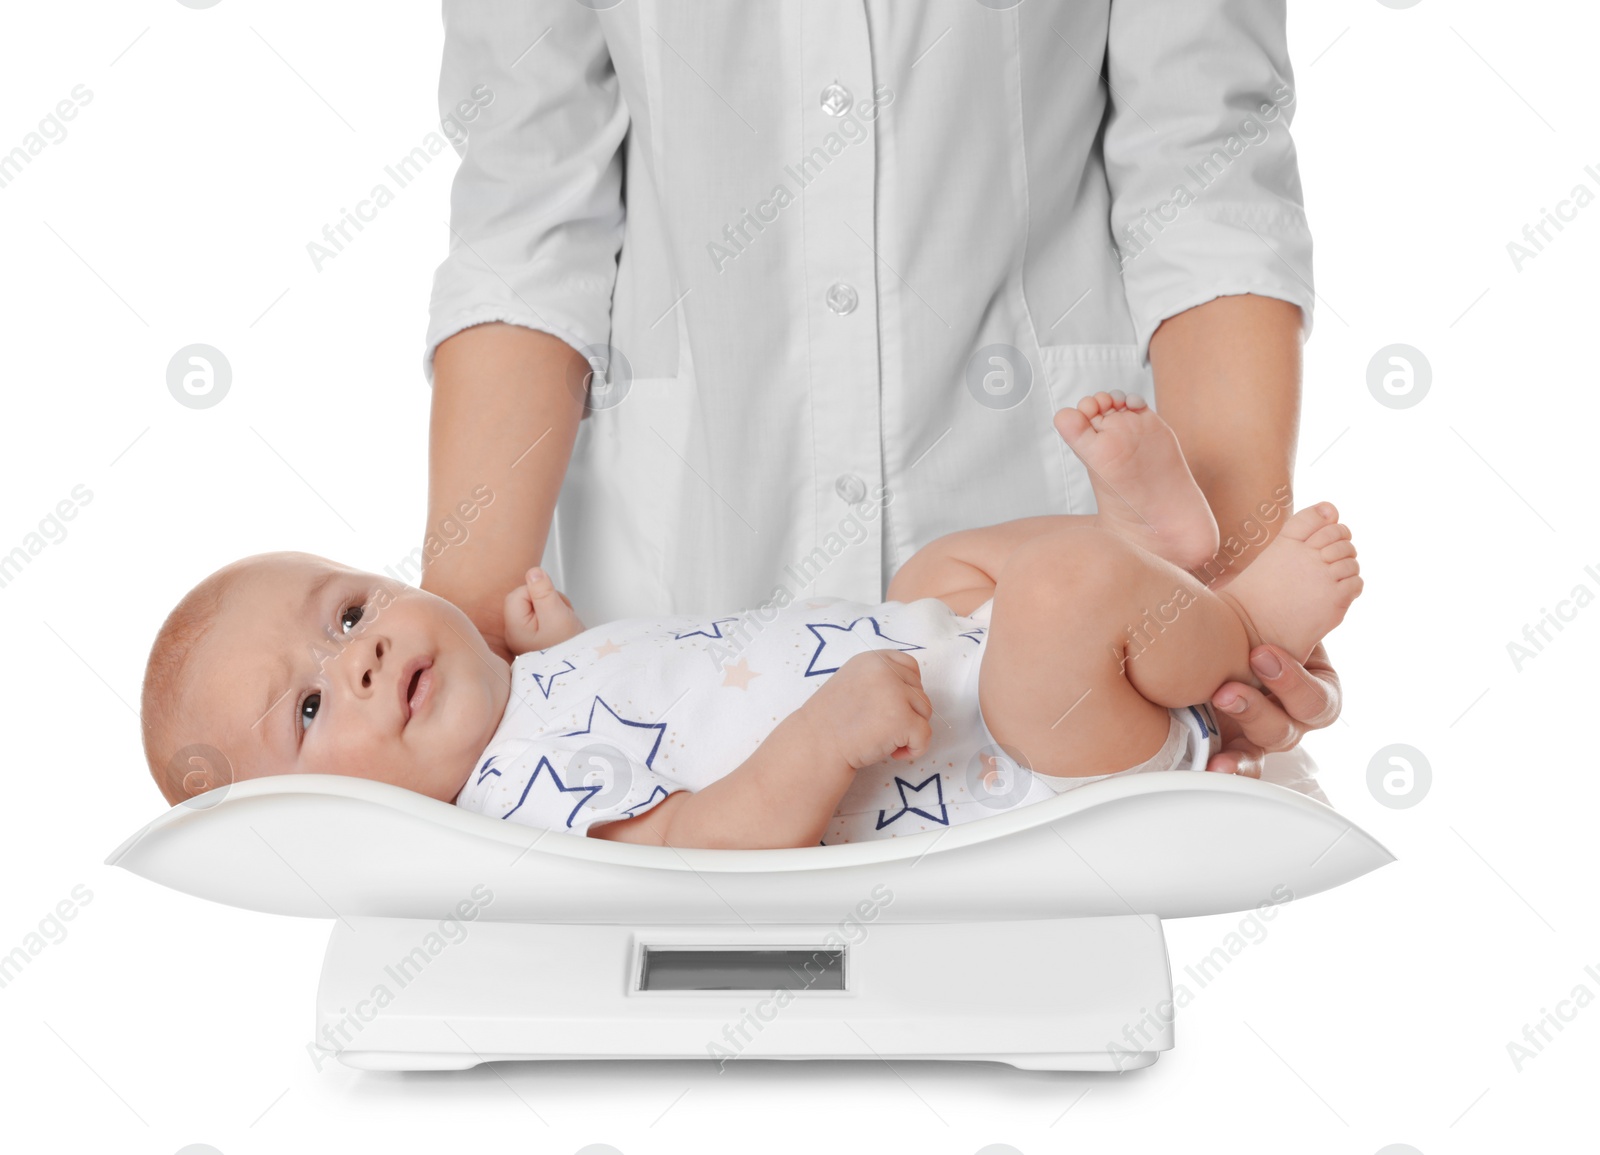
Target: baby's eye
{"x":349,"y":618}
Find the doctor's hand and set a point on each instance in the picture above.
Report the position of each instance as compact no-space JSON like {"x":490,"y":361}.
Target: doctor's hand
{"x":1253,"y":723}
{"x":538,"y":615}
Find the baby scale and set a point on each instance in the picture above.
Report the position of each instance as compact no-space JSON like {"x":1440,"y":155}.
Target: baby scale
{"x":1032,"y":938}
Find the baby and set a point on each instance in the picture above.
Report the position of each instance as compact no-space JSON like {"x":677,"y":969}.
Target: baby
{"x":1008,"y":663}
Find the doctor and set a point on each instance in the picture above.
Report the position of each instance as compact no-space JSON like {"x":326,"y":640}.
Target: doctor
{"x":745,"y":303}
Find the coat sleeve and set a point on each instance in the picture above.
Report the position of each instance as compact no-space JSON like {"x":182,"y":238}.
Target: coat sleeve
{"x":1205,"y":188}
{"x":536,"y":208}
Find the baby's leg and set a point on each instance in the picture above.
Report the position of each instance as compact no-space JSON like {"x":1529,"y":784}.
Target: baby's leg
{"x":1092,"y":638}
{"x":1143,"y":490}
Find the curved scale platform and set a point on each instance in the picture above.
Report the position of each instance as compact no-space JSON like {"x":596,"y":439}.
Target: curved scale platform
{"x":1170,"y":844}
{"x":858,"y":951}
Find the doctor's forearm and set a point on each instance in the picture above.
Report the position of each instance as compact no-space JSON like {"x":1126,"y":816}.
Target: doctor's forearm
{"x":1227,"y":379}
{"x":504,"y":417}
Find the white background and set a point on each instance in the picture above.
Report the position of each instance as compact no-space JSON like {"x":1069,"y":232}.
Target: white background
{"x":178,"y":209}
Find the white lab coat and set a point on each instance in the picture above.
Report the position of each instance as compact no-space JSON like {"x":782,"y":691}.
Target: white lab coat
{"x":805,"y":224}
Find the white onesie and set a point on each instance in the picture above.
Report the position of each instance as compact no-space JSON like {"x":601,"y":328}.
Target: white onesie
{"x":608,"y":723}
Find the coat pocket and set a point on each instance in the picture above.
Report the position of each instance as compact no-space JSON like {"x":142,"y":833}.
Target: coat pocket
{"x":1073,"y":372}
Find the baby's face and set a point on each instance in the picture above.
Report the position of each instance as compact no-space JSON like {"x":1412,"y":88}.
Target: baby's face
{"x":316,"y":668}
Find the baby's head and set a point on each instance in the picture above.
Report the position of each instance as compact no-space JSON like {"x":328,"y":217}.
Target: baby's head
{"x":288,"y":663}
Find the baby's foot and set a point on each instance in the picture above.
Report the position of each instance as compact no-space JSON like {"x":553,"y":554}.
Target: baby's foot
{"x":1145,"y":491}
{"x":1301,"y":585}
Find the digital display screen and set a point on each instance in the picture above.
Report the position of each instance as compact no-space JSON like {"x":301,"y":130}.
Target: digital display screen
{"x":753,"y":969}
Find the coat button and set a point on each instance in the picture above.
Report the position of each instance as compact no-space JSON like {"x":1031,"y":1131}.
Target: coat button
{"x":850,"y":487}
{"x":836,"y":99}
{"x":841,"y":298}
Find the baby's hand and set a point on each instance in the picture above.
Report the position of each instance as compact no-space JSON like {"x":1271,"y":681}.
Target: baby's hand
{"x":538,"y":615}
{"x":872,"y":708}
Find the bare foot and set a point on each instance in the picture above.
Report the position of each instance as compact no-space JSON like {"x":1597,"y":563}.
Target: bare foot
{"x":1143,"y":486}
{"x":1300,"y":586}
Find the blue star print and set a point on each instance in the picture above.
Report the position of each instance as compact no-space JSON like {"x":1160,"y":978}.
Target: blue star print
{"x":714,"y":632}
{"x":540,"y":676}
{"x":846,"y":642}
{"x":943,"y":817}
{"x":588,"y":792}
{"x":658,"y":792}
{"x":628,"y":736}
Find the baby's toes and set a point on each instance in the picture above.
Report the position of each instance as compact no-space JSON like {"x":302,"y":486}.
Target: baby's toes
{"x":1072,"y":423}
{"x":1329,"y":534}
{"x":1344,"y":569}
{"x":1347,"y":590}
{"x":1303,"y":523}
{"x":1339,"y":549}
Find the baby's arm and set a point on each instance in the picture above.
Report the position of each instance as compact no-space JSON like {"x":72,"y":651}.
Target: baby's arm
{"x":782,"y":795}
{"x":872,"y":708}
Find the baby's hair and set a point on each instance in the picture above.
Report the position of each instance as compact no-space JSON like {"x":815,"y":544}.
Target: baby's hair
{"x":166,"y":726}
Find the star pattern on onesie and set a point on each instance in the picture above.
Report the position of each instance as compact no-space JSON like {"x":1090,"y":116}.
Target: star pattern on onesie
{"x":658,"y":792}
{"x":907,"y":807}
{"x":739,"y":674}
{"x":715,"y":631}
{"x":972,"y":634}
{"x":545,"y":678}
{"x":539,"y":774}
{"x":625,"y":734}
{"x":844,"y":642}
{"x":636,"y":741}
{"x":487,"y":770}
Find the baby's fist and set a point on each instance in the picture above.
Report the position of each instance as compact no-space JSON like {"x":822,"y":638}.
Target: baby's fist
{"x":873,"y":708}
{"x":538,"y":615}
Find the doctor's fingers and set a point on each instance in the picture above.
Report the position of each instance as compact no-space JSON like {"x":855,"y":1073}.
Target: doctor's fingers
{"x":1263,"y":723}
{"x":1308,"y":693}
{"x":1240,"y":756}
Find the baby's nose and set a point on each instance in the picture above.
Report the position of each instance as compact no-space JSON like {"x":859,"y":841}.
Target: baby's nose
{"x":370,"y":659}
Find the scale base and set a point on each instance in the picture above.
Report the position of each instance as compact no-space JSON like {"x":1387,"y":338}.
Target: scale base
{"x":1075,"y":994}
{"x":1054,"y":1061}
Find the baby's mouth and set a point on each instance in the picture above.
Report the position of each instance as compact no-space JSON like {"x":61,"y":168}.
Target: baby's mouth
{"x":418,"y":689}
